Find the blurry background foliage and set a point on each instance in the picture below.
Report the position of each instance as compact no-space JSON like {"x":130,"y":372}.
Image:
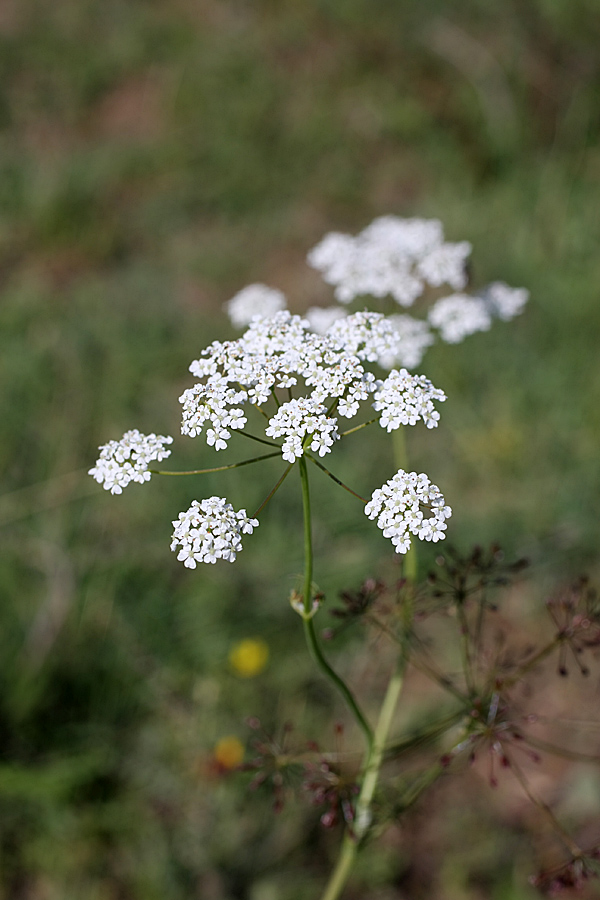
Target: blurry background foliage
{"x":155,"y":157}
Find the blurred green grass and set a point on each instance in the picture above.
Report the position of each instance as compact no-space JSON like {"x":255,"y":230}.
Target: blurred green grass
{"x":154,"y":158}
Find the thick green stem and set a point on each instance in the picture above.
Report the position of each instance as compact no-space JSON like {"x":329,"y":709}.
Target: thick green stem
{"x":371,"y":776}
{"x":308,"y":613}
{"x":342,"y":870}
{"x":377,"y":741}
{"x":375,"y":756}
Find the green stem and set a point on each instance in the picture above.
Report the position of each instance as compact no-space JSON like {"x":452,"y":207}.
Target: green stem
{"x":308,"y":552}
{"x":309,"y":628}
{"x":352,"y":841}
{"x":358,"y":427}
{"x":237,"y":465}
{"x":334,"y":477}
{"x":375,"y":756}
{"x":334,"y":678}
{"x":342,"y":870}
{"x":254,"y":437}
{"x":273,"y":490}
{"x":384,"y":723}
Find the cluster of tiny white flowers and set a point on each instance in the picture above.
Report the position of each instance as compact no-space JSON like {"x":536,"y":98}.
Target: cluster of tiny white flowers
{"x":127,"y":460}
{"x":391,"y":257}
{"x":210,"y":530}
{"x":414,"y":337}
{"x":387,"y":340}
{"x":458,"y":316}
{"x":370,"y":336}
{"x":324,"y":354}
{"x":254,"y":300}
{"x":445,"y":264}
{"x":213,"y":403}
{"x":274,"y":353}
{"x":403,"y":399}
{"x":503,"y":301}
{"x":401,"y":258}
{"x":297,"y":418}
{"x":397,"y":506}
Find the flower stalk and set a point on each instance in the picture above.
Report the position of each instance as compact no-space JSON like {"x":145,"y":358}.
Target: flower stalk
{"x":308,"y":613}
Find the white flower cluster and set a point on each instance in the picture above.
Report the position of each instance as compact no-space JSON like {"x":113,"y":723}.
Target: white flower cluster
{"x":127,"y":460}
{"x":387,"y":340}
{"x":210,"y":402}
{"x":414,"y":337}
{"x":458,"y":316}
{"x":503,"y":301}
{"x":397,"y":506}
{"x":210,"y":530}
{"x":392,"y":256}
{"x":401,"y":258}
{"x":296,"y":419}
{"x":368,"y":335}
{"x":403,"y":399}
{"x":254,"y":300}
{"x":276,"y":353}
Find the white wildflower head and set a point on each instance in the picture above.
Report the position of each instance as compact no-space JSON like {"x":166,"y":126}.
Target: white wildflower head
{"x":459,"y":315}
{"x":254,"y":300}
{"x":445,"y":264}
{"x":280,"y":352}
{"x":387,"y":340}
{"x":210,"y":530}
{"x":403,"y":399}
{"x":297,"y":419}
{"x":327,"y":370}
{"x":391,"y":257}
{"x":402,"y":259}
{"x":127,"y":460}
{"x":370,"y":336}
{"x":414,"y":337}
{"x":503,"y":301}
{"x":400,"y":507}
{"x":214,"y":403}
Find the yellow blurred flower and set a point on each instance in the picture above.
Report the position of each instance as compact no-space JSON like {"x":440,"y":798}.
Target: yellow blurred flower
{"x":228,"y":752}
{"x":249,"y":657}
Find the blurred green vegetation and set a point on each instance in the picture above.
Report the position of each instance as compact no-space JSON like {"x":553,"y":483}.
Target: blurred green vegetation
{"x":154,"y":158}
